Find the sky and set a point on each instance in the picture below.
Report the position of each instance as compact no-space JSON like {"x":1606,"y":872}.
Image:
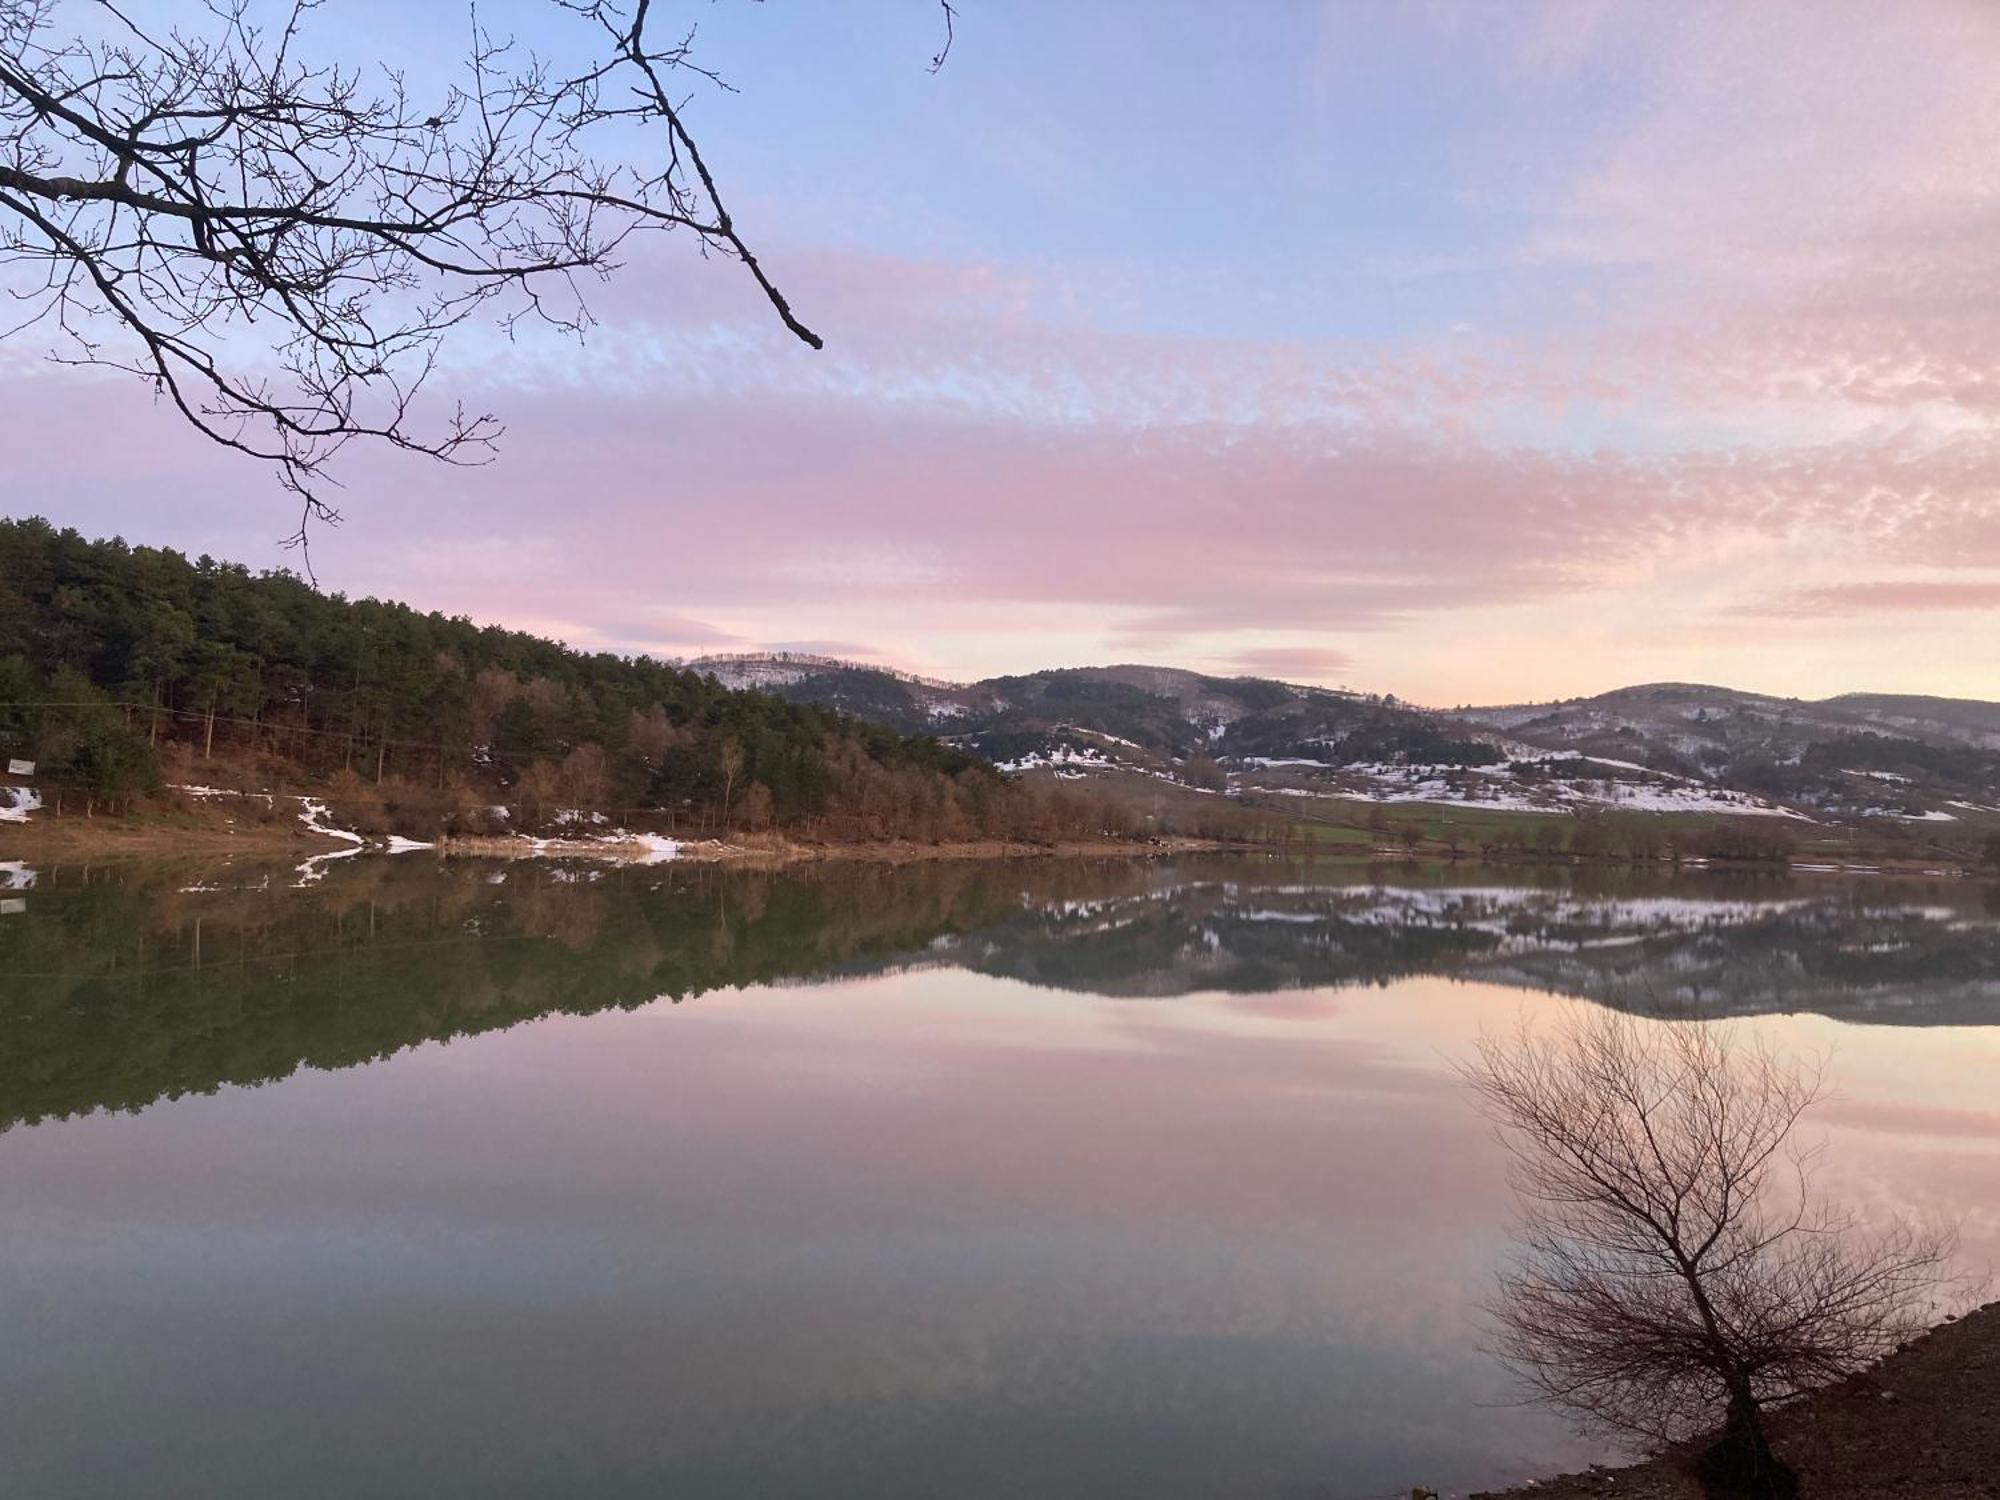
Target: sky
{"x":1468,"y":352}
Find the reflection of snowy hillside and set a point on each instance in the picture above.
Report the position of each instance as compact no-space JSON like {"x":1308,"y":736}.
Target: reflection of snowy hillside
{"x":1866,"y":952}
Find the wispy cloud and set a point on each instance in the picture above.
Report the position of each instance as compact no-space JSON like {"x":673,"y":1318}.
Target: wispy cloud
{"x":1887,"y":596}
{"x":1292,"y":663}
{"x":1717,"y":309}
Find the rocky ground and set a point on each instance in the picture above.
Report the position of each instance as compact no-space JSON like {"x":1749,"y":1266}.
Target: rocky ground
{"x":1922,"y":1425}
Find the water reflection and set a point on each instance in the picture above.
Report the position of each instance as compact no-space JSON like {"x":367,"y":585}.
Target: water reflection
{"x":137,"y":985}
{"x":914,"y":1228}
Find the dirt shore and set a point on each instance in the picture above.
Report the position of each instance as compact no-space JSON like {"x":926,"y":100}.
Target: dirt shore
{"x":1922,"y":1425}
{"x":213,"y":832}
{"x":221,"y":828}
{"x":118,"y":838}
{"x":766,"y":850}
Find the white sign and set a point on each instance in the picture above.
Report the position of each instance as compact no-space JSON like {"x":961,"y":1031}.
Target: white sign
{"x":20,"y":768}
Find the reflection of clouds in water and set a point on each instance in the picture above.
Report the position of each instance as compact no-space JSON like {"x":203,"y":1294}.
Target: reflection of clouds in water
{"x":1073,"y":1194}
{"x":909,"y":1215}
{"x":1914,"y":1119}
{"x":1909,"y":1122}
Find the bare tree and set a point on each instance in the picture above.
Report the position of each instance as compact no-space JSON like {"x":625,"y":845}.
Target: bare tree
{"x":278,"y":246}
{"x":731,"y":762}
{"x":1677,"y":1270}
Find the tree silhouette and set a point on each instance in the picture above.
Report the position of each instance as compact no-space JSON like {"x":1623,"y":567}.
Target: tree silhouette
{"x":1677,"y":1271}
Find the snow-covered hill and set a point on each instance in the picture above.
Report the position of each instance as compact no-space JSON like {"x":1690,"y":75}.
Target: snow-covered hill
{"x":1663,"y":747}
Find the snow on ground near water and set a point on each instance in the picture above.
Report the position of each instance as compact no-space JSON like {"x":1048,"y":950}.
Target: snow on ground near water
{"x":313,"y":813}
{"x":15,"y":876}
{"x":1449,"y":785}
{"x":1933,"y":816}
{"x":609,"y":843}
{"x":16,"y":802}
{"x":658,"y":850}
{"x":618,"y":844}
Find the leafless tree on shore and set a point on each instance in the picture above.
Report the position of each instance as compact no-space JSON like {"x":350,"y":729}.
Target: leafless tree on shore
{"x":1677,"y":1271}
{"x":278,"y":246}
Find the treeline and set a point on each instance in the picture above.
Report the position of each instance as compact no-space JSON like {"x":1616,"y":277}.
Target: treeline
{"x":1589,"y":835}
{"x":116,"y":660}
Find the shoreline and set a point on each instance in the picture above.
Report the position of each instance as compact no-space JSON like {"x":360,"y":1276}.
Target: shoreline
{"x":105,"y":838}
{"x":216,"y":828}
{"x":767,"y":850}
{"x":185,"y":836}
{"x":1923,"y":1424}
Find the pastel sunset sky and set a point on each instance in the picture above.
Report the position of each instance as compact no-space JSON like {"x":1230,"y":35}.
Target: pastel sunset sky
{"x":1471,"y":352}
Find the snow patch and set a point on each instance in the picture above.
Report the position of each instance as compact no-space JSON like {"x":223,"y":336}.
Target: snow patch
{"x":1490,"y":787}
{"x":658,"y":850}
{"x":313,"y":813}
{"x":1062,"y":755}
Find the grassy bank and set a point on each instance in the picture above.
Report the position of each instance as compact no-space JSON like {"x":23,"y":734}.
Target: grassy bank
{"x":249,"y":825}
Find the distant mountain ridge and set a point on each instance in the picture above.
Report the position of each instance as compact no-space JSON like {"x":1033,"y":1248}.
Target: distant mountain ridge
{"x":1653,"y":747}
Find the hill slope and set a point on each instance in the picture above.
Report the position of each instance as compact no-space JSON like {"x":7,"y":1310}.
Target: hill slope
{"x":1666,"y":747}
{"x":118,"y":661}
{"x":1859,"y":755}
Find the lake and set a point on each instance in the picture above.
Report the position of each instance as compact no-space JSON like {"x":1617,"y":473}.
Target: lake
{"x":1024,"y":1178}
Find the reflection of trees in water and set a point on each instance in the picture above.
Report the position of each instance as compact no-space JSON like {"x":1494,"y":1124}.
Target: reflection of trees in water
{"x":124,"y":992}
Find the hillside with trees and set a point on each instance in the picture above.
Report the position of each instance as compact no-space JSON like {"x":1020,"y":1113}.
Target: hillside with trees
{"x":1904,"y":769}
{"x":126,"y":669}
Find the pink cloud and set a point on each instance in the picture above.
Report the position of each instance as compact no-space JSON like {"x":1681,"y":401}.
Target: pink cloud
{"x":1788,"y":374}
{"x":1886,"y":596}
{"x":1307,"y":663}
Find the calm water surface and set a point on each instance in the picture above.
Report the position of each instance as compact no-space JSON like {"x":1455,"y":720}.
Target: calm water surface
{"x":1049,"y":1180}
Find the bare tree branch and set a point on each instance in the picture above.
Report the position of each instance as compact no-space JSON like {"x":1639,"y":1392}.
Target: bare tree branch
{"x":1677,"y":1273}
{"x":280,"y":247}
{"x":944,"y":52}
